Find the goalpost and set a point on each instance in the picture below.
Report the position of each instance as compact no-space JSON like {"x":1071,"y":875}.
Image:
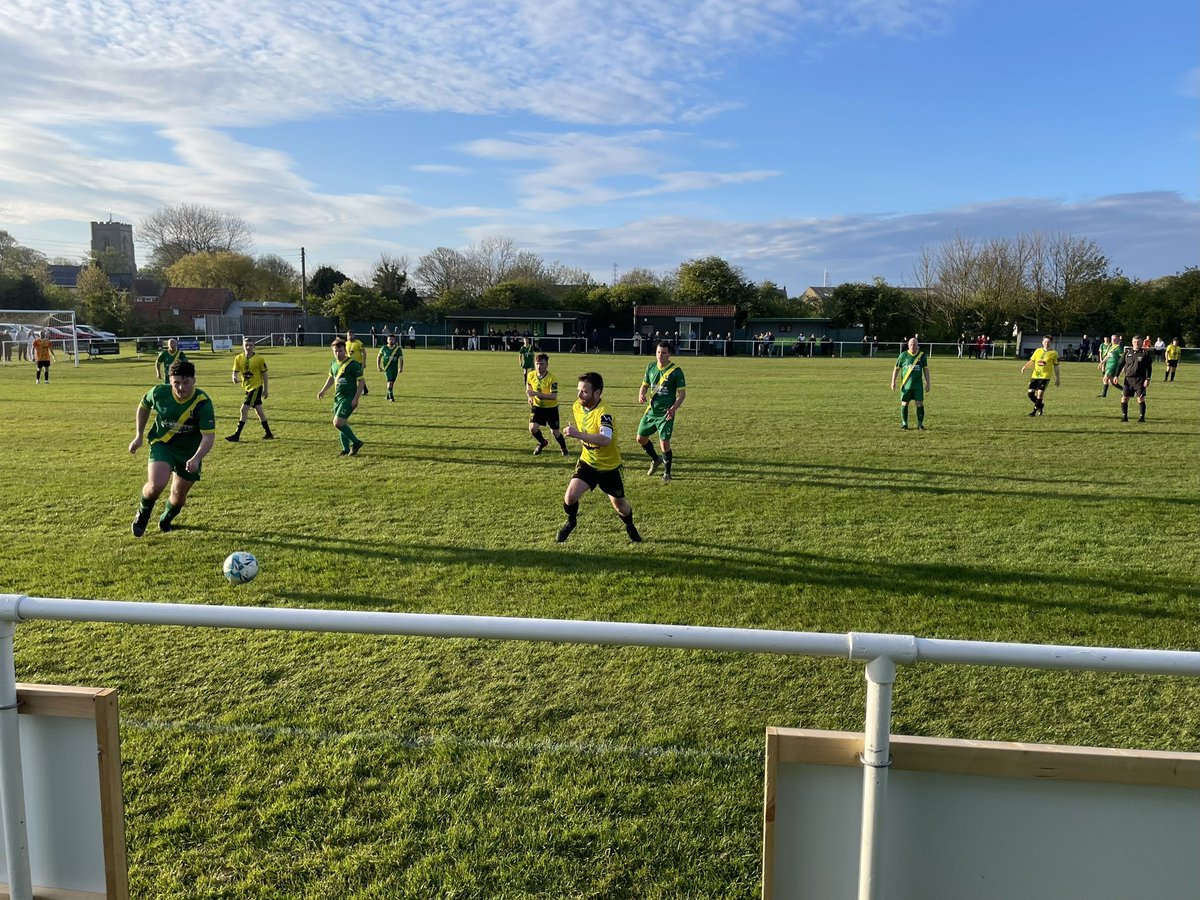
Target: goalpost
{"x":18,"y":328}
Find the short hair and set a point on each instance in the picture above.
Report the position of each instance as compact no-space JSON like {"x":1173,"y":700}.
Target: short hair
{"x":595,"y":379}
{"x":666,"y":344}
{"x":246,"y":339}
{"x":541,"y":357}
{"x":1047,"y":337}
{"x":182,"y":369}
{"x":337,"y":341}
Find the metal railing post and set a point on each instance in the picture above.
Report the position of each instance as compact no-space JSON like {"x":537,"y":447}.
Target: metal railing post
{"x":12,"y":782}
{"x":876,"y":757}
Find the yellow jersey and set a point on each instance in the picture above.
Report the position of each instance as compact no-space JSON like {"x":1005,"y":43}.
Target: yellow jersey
{"x":595,"y":421}
{"x":250,"y":370}
{"x":356,"y":351}
{"x":1044,"y":363}
{"x":544,"y":385}
{"x":1174,"y":351}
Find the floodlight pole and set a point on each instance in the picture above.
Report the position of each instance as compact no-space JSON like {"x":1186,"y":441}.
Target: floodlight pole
{"x":12,"y":782}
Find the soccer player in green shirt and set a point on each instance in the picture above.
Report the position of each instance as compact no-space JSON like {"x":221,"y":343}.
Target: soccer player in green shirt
{"x":663,"y":391}
{"x":1110,"y":363}
{"x":912,"y":366}
{"x":526,"y":351}
{"x":162,"y":362}
{"x":182,"y":434}
{"x":251,"y":370}
{"x":346,"y":374}
{"x":599,"y":457}
{"x":390,"y":361}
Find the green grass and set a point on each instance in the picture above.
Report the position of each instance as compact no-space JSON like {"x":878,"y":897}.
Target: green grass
{"x":265,"y":764}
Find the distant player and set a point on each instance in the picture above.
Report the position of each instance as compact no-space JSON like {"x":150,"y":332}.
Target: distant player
{"x":182,"y":434}
{"x":251,"y":370}
{"x":599,"y":459}
{"x":357,"y":352}
{"x":912,"y":367}
{"x":390,"y":362}
{"x":1110,"y":363}
{"x":526,"y":351}
{"x":43,"y":352}
{"x":1044,"y":362}
{"x":166,"y":358}
{"x":1137,"y":366}
{"x":1173,"y":352}
{"x":663,"y":391}
{"x":541,"y":388}
{"x":346,"y":375}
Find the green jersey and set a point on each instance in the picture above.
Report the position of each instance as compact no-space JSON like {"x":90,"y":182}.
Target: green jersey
{"x":180,"y":425}
{"x":526,"y":352}
{"x":1112,"y":361}
{"x":165,"y":359}
{"x":912,"y":367}
{"x":389,"y":359}
{"x":662,"y":386}
{"x":345,"y":377}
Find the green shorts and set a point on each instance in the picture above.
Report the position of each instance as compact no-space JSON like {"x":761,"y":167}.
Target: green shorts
{"x":176,"y":459}
{"x":914,"y":390}
{"x":391,"y":372}
{"x":342,"y":407}
{"x":654,"y":421}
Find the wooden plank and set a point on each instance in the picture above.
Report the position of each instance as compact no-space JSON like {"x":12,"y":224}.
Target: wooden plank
{"x":57,"y":700}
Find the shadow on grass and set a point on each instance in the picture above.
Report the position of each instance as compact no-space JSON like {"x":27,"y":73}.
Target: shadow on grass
{"x":986,"y":585}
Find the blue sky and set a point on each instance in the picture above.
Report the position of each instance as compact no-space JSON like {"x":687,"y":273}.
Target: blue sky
{"x":788,"y":137}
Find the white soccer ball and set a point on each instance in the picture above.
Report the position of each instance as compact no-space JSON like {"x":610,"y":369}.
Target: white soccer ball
{"x":240,"y":567}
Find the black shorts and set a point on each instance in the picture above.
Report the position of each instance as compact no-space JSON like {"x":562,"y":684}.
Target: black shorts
{"x":1172,"y":363}
{"x":1038,"y":384}
{"x":253,"y":398}
{"x":609,"y":481}
{"x":544,"y":415}
{"x":43,"y":364}
{"x":1134,"y":387}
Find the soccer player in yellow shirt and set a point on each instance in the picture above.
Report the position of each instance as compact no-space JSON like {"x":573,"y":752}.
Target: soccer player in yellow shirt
{"x":357,"y":352}
{"x":1044,"y":362}
{"x":541,"y":387}
{"x":251,"y":370}
{"x":1173,"y":352}
{"x":599,"y":459}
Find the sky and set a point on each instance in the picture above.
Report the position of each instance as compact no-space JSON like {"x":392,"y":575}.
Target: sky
{"x":805,"y":141}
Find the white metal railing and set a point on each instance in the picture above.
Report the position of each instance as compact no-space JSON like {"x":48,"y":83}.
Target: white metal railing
{"x":881,"y":653}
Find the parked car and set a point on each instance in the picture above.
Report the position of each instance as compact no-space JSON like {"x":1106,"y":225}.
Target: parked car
{"x":94,"y":334}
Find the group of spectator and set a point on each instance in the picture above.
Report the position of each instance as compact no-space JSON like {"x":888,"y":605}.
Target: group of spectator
{"x":978,"y":347}
{"x":16,"y":339}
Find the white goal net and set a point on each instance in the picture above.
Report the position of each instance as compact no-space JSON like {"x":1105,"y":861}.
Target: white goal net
{"x":19,"y":328}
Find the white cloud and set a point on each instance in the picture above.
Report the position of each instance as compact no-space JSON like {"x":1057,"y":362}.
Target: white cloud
{"x":440,"y":169}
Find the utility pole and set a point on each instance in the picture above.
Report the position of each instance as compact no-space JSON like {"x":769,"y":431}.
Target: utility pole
{"x":303,"y":286}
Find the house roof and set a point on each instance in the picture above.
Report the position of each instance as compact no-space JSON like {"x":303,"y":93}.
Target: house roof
{"x":705,"y":312}
{"x":196,"y":300}
{"x":515,"y":314}
{"x":64,"y":275}
{"x":821,"y":291}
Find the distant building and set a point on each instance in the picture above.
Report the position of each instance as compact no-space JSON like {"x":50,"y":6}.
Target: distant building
{"x":194,"y":305}
{"x":64,"y":275}
{"x":684,"y":324}
{"x":112,"y":244}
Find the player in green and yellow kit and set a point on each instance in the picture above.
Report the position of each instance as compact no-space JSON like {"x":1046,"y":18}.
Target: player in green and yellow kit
{"x":346,"y":374}
{"x":1044,"y":362}
{"x":541,"y":389}
{"x":526,"y":351}
{"x":164,"y":360}
{"x":663,"y":391}
{"x":251,"y":370}
{"x":390,"y":362}
{"x":357,"y":352}
{"x":599,"y":459}
{"x":1110,"y":363}
{"x":912,"y":368}
{"x":182,"y":434}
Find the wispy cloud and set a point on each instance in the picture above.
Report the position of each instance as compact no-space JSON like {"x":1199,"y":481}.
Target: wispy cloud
{"x":440,"y":169}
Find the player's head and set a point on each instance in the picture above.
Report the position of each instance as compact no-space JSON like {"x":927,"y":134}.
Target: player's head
{"x":1115,"y":339}
{"x":172,"y":344}
{"x":1174,"y":342}
{"x":339,"y":349}
{"x":349,"y":335}
{"x":542,"y":363}
{"x":391,"y":340}
{"x":1136,"y":341}
{"x":663,"y":351}
{"x":1046,"y":339}
{"x":183,"y":379}
{"x":591,"y":386}
{"x":248,"y":344}
{"x":913,"y":343}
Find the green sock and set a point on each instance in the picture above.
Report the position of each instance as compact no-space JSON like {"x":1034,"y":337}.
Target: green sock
{"x":146,"y":507}
{"x":344,"y":438}
{"x":169,"y":513}
{"x":904,"y":414}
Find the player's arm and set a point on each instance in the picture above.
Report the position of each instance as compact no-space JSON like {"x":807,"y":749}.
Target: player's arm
{"x":235,"y":369}
{"x":264,"y":390}
{"x":143,"y":416}
{"x":206,"y":444}
{"x":357,"y":393}
{"x":379,"y":361}
{"x":642,"y":392}
{"x":328,"y":382}
{"x":400,"y":365}
{"x":1056,"y":382}
{"x":895,"y":372}
{"x":603,"y":439}
{"x":928,"y":384}
{"x":680,"y":395}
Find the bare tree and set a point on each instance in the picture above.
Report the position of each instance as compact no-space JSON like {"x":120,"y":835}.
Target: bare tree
{"x":177,"y":231}
{"x":442,"y":272}
{"x":956,"y":263}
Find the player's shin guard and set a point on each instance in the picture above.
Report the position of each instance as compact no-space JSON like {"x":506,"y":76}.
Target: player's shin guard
{"x":537,"y":436}
{"x":347,"y":438}
{"x":572,"y":511}
{"x":630,"y":528}
{"x":920,"y":415}
{"x":168,"y":516}
{"x":1142,"y":411}
{"x":667,"y":456}
{"x":904,"y":414}
{"x":1032,"y":397}
{"x":562,"y":442}
{"x":267,"y":429}
{"x":650,"y":451}
{"x":1104,"y":390}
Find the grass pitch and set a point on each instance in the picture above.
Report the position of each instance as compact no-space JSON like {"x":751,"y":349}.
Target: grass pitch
{"x":285,"y":765}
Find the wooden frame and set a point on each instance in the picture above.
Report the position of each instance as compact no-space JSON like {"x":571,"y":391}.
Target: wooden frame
{"x":100,"y":705}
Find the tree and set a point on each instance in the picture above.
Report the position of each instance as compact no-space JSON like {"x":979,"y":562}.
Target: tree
{"x":233,"y":271}
{"x":714,"y":282}
{"x":324,"y":280}
{"x":98,"y":303}
{"x":16,"y":260}
{"x":348,"y":302}
{"x":177,"y":231}
{"x":442,"y":273}
{"x":389,"y":278}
